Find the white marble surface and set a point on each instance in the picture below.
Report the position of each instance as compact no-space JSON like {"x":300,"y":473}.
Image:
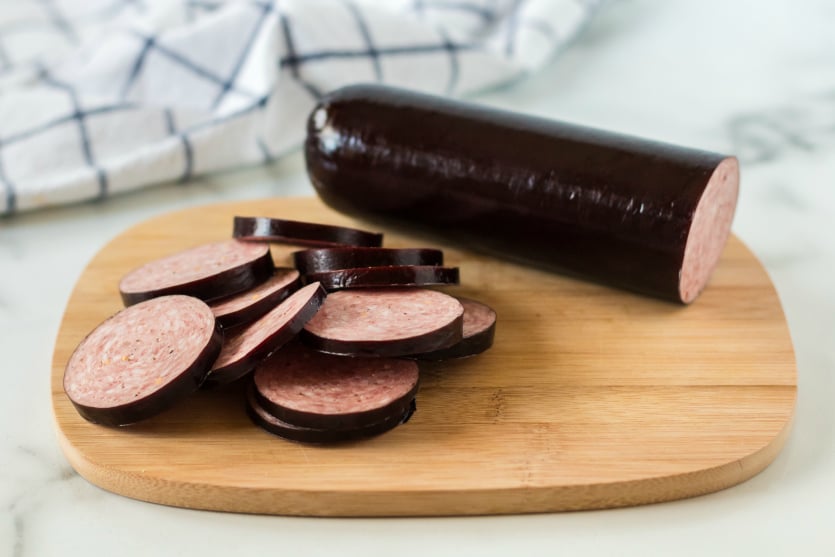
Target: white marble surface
{"x":753,"y":78}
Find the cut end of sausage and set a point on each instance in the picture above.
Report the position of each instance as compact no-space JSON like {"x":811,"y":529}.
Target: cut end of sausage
{"x":710,"y":229}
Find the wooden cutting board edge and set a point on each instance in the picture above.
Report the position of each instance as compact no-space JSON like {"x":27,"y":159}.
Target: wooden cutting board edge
{"x":426,"y":504}
{"x":537,"y":499}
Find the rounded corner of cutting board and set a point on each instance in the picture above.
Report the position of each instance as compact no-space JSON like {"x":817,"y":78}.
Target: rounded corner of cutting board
{"x":683,"y":402}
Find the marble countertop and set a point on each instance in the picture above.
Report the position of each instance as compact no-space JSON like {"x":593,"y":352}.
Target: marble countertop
{"x":756,"y":79}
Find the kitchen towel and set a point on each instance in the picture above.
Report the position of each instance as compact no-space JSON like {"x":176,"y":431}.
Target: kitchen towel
{"x":99,"y":97}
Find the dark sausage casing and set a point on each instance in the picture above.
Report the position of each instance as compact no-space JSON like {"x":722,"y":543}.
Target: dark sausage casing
{"x":637,"y":214}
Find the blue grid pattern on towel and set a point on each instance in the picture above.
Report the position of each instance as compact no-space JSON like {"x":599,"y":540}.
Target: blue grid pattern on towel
{"x":301,"y":60}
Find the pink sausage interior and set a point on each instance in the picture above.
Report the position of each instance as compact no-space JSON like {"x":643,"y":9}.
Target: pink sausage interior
{"x":138,"y":351}
{"x":240,"y":343}
{"x":383,"y":314}
{"x":710,"y":229}
{"x":477,"y":317}
{"x":193,"y":264}
{"x":310,"y":381}
{"x":279,"y":280}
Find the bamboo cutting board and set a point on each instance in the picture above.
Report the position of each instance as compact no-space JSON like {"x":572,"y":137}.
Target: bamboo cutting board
{"x":590,"y":398}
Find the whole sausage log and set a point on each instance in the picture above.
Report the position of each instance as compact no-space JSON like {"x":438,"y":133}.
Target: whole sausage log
{"x":633,"y":213}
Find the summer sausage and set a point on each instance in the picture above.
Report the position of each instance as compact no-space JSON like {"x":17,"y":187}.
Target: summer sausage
{"x":142,"y":360}
{"x":251,"y":304}
{"x":207,"y":271}
{"x":633,"y":213}
{"x":320,"y":436}
{"x":333,"y":259}
{"x":302,"y":233}
{"x":376,"y":277}
{"x":385,"y":322}
{"x":307,"y":388}
{"x":479,"y":331}
{"x":246,"y":346}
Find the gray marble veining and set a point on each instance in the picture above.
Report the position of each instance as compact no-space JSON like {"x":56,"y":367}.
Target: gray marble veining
{"x":807,"y":126}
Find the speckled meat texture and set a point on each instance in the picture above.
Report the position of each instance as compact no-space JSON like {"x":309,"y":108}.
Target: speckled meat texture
{"x":319,"y":436}
{"x":625,"y":211}
{"x":479,"y":331}
{"x":207,"y":271}
{"x":121,"y":371}
{"x":385,"y":322}
{"x":478,"y":317}
{"x":253,"y":303}
{"x":312,"y":389}
{"x":245,"y":347}
{"x":710,"y":229}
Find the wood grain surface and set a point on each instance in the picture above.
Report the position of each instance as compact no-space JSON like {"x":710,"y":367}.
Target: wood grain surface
{"x":590,"y":398}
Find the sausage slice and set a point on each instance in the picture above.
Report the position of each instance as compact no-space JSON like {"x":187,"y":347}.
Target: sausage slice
{"x":319,"y":436}
{"x":310,"y":389}
{"x":375,"y":277}
{"x":142,"y":360}
{"x":302,"y":233}
{"x":251,"y":304}
{"x":207,"y":272}
{"x":479,"y":330}
{"x":385,"y":322}
{"x":246,"y":346}
{"x":332,"y":259}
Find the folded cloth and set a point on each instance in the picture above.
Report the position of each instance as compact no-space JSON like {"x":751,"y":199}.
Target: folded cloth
{"x":99,"y":97}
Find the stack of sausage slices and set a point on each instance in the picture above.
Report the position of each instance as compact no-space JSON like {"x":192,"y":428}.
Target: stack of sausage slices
{"x":330,"y":349}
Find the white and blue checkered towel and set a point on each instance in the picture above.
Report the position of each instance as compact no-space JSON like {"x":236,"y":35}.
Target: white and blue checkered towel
{"x":99,"y":97}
